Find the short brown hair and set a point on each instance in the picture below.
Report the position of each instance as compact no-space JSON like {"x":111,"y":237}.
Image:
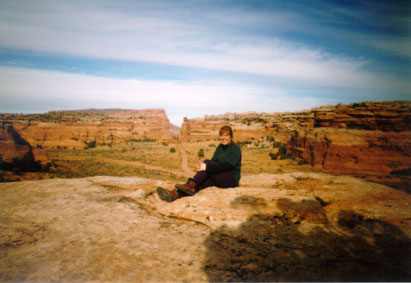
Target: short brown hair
{"x":226,"y":129}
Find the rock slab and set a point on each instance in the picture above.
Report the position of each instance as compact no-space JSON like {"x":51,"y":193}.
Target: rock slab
{"x":286,"y":227}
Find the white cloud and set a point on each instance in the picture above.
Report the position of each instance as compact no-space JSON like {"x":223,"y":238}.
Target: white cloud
{"x":60,"y":27}
{"x":27,"y":88}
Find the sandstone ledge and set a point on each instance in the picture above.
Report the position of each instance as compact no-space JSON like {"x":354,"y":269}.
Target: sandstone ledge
{"x":298,"y":226}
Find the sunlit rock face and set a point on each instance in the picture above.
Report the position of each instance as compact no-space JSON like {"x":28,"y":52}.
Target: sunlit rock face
{"x":77,"y":128}
{"x":360,"y":138}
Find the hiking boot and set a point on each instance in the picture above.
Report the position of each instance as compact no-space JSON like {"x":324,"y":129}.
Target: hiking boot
{"x":167,"y":195}
{"x":188,"y":188}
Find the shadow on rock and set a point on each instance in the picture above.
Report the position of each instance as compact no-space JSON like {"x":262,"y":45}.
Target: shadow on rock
{"x":301,"y":244}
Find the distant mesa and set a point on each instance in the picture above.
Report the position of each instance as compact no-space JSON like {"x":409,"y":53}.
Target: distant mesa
{"x":74,"y":129}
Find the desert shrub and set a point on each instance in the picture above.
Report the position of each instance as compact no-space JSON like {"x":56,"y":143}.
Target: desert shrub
{"x":282,"y":153}
{"x":172,"y":150}
{"x":46,"y":167}
{"x":164,"y":143}
{"x":200,"y":153}
{"x":282,"y":150}
{"x":243,"y":144}
{"x":273,"y":156}
{"x":91,"y":144}
{"x":276,"y":144}
{"x":211,"y":145}
{"x":301,"y":162}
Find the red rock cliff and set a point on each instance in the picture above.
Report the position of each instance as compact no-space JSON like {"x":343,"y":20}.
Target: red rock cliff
{"x":74,"y":128}
{"x":360,"y":138}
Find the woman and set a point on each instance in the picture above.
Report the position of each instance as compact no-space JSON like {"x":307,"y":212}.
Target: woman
{"x":223,"y":170}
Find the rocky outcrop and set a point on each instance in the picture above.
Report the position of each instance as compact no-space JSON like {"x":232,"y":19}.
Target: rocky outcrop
{"x":17,"y":154}
{"x":389,"y":116}
{"x":360,"y":138}
{"x":286,"y":227}
{"x":74,"y":129}
{"x":247,"y":127}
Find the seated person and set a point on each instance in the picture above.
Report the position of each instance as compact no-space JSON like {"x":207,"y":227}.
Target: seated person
{"x":223,"y":170}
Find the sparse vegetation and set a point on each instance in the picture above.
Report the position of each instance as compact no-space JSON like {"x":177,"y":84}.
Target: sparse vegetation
{"x":281,"y":154}
{"x":151,"y":160}
{"x":91,"y":144}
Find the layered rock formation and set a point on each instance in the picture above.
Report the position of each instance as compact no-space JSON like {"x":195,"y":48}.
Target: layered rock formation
{"x":76,"y":128}
{"x":389,"y":116}
{"x":247,"y":127}
{"x":360,"y":138}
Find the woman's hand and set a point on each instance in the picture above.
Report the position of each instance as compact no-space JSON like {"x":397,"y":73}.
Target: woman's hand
{"x":201,"y":166}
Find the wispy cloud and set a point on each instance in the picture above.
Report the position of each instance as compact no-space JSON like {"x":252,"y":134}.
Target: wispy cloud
{"x":188,"y":42}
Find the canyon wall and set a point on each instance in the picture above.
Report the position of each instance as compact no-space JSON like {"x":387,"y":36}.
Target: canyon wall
{"x":247,"y":127}
{"x":74,"y":129}
{"x":360,"y":138}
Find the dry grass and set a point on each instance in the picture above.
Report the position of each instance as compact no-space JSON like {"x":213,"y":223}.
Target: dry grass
{"x":138,"y":159}
{"x":154,"y":160}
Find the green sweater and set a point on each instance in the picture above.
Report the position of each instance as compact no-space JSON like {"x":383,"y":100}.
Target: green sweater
{"x":228,"y":158}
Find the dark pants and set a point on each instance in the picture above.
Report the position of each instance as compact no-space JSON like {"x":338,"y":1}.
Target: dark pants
{"x":221,"y":180}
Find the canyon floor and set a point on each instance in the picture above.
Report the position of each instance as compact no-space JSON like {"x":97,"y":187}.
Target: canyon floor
{"x":275,"y":227}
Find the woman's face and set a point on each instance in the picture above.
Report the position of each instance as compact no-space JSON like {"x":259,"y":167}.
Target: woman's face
{"x":225,"y":138}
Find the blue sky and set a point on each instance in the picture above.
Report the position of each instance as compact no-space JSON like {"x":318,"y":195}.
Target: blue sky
{"x":202,"y":57}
